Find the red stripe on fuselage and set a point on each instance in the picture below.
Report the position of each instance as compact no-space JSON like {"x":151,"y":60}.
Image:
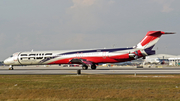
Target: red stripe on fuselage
{"x":104,"y":59}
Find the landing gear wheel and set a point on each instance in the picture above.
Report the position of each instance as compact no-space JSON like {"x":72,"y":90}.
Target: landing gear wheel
{"x":11,"y":67}
{"x":84,"y":67}
{"x":93,"y":67}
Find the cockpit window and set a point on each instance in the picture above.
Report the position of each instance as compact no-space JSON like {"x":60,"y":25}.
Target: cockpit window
{"x":11,"y":56}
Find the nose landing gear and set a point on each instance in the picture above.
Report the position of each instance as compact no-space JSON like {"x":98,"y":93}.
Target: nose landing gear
{"x":11,"y":67}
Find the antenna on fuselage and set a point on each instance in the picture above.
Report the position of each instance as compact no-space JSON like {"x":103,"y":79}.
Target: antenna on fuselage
{"x":113,"y":45}
{"x":32,"y":50}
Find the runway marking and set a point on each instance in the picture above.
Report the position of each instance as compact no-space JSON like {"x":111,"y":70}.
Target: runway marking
{"x":154,"y":76}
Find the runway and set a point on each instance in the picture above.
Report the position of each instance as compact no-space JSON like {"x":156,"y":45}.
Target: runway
{"x":58,"y":70}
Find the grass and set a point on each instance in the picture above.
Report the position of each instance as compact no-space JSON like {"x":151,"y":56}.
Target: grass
{"x":90,"y":87}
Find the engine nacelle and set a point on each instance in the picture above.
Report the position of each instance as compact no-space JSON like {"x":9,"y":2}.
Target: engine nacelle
{"x":134,"y":56}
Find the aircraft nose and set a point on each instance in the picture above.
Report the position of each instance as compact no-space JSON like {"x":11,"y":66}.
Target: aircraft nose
{"x":6,"y":62}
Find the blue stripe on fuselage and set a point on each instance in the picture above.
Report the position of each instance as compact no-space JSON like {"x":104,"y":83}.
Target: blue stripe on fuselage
{"x":97,"y":50}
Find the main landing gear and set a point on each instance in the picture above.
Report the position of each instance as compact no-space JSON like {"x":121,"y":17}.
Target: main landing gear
{"x":11,"y":67}
{"x":93,"y":67}
{"x":84,"y":67}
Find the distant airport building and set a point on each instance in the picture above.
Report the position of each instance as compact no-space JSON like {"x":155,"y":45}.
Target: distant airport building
{"x":158,"y":59}
{"x":172,"y":60}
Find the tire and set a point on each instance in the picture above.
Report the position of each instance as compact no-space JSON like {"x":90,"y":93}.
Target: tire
{"x":93,"y":67}
{"x":84,"y":67}
{"x":11,"y":68}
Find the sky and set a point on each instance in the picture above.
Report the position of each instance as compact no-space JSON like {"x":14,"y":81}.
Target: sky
{"x":85,"y":24}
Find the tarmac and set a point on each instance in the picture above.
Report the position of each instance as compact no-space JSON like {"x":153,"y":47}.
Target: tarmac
{"x":59,"y":70}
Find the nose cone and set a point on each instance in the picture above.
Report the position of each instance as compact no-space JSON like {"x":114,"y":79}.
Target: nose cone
{"x":5,"y":62}
{"x":8,"y":61}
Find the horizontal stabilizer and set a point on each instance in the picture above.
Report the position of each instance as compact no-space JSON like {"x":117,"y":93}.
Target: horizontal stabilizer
{"x":158,"y":33}
{"x":169,"y":33}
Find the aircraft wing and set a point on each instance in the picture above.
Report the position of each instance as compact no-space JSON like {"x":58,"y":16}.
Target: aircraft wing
{"x":80,"y":61}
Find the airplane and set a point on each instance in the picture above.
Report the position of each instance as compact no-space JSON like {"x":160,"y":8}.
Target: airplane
{"x":149,"y":60}
{"x":88,"y":57}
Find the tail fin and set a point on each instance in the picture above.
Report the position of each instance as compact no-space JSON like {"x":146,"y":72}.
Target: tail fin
{"x":149,"y":41}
